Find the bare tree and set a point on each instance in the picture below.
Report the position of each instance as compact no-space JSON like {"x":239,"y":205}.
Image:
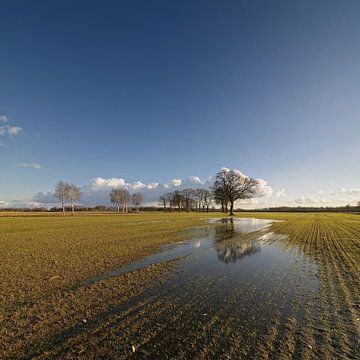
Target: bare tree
{"x":126,"y":197}
{"x":137,"y":199}
{"x":162,"y":201}
{"x":169,"y":199}
{"x":62,"y":190}
{"x":177,"y":199}
{"x":231,"y":185}
{"x":207,"y":199}
{"x":220,"y":197}
{"x":116,"y":198}
{"x":187,"y":199}
{"x":197,"y":195}
{"x":74,"y":196}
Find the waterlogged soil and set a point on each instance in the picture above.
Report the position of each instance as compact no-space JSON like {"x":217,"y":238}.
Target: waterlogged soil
{"x":235,"y":289}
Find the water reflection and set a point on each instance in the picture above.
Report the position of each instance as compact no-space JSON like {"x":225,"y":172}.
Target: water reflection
{"x":228,"y":238}
{"x":231,"y":251}
{"x":230,"y":243}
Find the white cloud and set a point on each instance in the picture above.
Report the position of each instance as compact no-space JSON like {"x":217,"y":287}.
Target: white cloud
{"x":175,"y":182}
{"x":263,"y":189}
{"x":138,"y":185}
{"x":25,"y":204}
{"x":10,"y":130}
{"x":14,"y":130}
{"x":100,"y":182}
{"x":3,"y":204}
{"x":152,"y":186}
{"x":3,"y":119}
{"x":29,"y":165}
{"x":195,"y":179}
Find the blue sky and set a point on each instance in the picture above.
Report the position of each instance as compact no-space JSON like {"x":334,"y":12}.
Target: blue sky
{"x":154,"y":91}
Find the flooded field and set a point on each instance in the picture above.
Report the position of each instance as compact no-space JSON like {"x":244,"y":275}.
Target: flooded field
{"x":233,"y":288}
{"x":235,"y":281}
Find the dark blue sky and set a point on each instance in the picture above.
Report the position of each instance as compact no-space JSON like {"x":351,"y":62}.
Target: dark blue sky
{"x":155,"y":90}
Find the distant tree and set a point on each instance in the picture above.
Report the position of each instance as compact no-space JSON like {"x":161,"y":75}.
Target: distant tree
{"x":177,"y":199}
{"x":358,"y":203}
{"x":207,"y":199}
{"x":231,"y":185}
{"x":74,"y":196}
{"x":116,"y":198}
{"x":187,"y":196}
{"x":198,"y":197}
{"x":62,"y":191}
{"x":162,"y":201}
{"x":137,"y":199}
{"x":169,"y":199}
{"x":220,"y":197}
{"x":126,"y":197}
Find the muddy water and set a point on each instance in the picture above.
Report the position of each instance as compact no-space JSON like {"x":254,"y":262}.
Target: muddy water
{"x":238,"y":291}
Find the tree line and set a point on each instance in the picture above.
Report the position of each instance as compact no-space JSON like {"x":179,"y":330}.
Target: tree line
{"x":229,"y":186}
{"x":121,"y":197}
{"x":187,"y":200}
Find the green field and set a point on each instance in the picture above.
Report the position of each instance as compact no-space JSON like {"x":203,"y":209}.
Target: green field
{"x":47,"y":311}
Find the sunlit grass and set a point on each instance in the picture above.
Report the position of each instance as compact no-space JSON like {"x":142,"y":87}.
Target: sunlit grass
{"x":44,"y":258}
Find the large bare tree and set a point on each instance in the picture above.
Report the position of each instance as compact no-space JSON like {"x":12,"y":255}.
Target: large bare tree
{"x":232,"y":186}
{"x":74,"y":196}
{"x":62,"y":191}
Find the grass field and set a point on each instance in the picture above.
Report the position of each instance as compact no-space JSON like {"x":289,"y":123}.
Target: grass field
{"x":46,"y":311}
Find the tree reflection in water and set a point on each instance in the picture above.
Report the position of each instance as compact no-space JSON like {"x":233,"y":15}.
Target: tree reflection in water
{"x":230,"y":245}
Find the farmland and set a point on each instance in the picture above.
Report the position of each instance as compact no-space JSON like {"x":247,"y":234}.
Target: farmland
{"x":287,"y":290}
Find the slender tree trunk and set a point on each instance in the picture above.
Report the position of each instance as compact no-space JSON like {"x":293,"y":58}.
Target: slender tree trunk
{"x":118,"y":208}
{"x":72,"y":208}
{"x":231,"y":208}
{"x":63,"y":207}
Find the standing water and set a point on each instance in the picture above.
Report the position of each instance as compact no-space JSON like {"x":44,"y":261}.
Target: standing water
{"x":237,"y":285}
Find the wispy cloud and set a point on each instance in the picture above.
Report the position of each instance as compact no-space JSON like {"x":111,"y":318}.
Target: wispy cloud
{"x":3,"y":119}
{"x":10,"y":130}
{"x":29,"y":165}
{"x":345,"y":191}
{"x":280,"y":193}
